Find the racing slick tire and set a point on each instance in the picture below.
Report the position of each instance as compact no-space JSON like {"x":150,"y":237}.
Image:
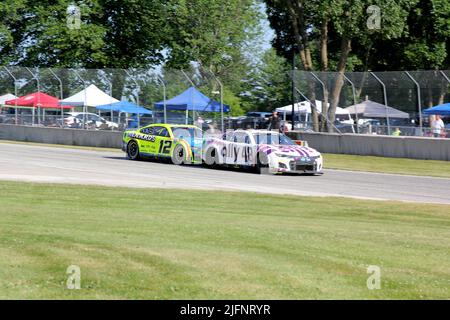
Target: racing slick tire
{"x":178,"y":155}
{"x":262,"y":163}
{"x":211,"y":157}
{"x":133,"y":150}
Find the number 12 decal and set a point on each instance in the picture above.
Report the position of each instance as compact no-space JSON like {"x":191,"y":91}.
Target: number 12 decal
{"x":164,"y":146}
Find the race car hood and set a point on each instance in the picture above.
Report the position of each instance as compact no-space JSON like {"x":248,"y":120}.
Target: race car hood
{"x":289,"y":150}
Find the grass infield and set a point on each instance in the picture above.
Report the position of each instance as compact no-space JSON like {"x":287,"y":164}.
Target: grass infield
{"x":172,"y":244}
{"x":430,"y":168}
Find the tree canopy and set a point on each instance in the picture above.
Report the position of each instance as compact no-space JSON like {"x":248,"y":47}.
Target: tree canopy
{"x":222,"y":38}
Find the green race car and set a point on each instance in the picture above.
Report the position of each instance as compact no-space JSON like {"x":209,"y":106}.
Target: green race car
{"x":182,"y":144}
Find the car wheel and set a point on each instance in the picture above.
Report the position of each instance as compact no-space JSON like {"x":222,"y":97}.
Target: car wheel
{"x":262,"y":163}
{"x":178,"y":154}
{"x":211,"y":158}
{"x":133,"y":150}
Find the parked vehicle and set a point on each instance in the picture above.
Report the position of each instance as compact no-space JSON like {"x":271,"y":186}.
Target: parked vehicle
{"x":258,"y":114}
{"x":91,"y":120}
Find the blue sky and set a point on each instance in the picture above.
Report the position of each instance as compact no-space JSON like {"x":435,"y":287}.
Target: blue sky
{"x":268,"y":31}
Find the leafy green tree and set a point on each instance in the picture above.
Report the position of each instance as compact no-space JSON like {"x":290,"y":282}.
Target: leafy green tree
{"x":216,"y":35}
{"x":10,"y":25}
{"x":326,"y":31}
{"x":116,"y":34}
{"x":269,"y":83}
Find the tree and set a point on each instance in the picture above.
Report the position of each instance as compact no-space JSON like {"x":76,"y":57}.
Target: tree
{"x":325,"y":32}
{"x":269,"y":83}
{"x":215,"y":34}
{"x":9,"y":25}
{"x":115,"y":34}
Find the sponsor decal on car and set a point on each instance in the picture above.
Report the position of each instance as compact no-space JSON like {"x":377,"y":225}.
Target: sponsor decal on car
{"x":141,"y":136}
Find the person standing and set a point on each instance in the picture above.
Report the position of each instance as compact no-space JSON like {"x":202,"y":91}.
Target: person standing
{"x":437,"y":126}
{"x":274,"y":122}
{"x":396,"y":132}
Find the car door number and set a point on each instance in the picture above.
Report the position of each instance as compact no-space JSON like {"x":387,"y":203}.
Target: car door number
{"x":164,"y":146}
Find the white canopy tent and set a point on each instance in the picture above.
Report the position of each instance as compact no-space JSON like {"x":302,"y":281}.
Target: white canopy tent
{"x":6,"y":97}
{"x":304,"y":107}
{"x":90,"y":97}
{"x":371,"y":109}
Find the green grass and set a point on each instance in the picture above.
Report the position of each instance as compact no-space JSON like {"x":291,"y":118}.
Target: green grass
{"x":167,"y":244}
{"x":416,"y":167}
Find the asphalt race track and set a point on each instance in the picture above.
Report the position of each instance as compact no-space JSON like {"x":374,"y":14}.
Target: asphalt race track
{"x":20,"y":162}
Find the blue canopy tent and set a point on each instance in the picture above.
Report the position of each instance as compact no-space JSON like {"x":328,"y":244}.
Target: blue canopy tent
{"x":192,"y":100}
{"x":443,"y":110}
{"x":125,"y":107}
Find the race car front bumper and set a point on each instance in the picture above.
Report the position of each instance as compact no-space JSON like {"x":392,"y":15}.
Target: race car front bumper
{"x":312,"y":165}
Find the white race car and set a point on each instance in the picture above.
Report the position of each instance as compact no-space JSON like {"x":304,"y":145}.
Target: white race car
{"x":263,"y":150}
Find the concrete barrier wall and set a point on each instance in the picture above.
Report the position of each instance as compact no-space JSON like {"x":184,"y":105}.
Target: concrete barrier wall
{"x":88,"y":138}
{"x":384,"y":146}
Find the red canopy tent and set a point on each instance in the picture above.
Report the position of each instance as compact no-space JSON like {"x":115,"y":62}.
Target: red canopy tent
{"x":37,"y":100}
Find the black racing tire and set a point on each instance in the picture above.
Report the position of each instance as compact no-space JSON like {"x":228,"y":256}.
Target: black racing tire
{"x":178,"y":155}
{"x":211,"y":157}
{"x":133,"y":150}
{"x":262,"y":163}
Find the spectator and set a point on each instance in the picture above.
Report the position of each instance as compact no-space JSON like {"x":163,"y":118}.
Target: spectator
{"x":274,"y":122}
{"x":396,"y":132}
{"x":437,"y":127}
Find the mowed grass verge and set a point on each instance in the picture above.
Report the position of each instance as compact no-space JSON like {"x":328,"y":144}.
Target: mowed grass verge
{"x":173,"y":244}
{"x":430,"y":168}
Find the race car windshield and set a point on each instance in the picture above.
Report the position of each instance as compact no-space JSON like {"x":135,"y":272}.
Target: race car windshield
{"x":272,"y":138}
{"x":186,"y":132}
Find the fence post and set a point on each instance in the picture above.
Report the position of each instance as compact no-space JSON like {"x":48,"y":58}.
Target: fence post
{"x":419,"y":101}
{"x":445,"y":76}
{"x":60,"y":95}
{"x":313,"y":105}
{"x":15,"y":93}
{"x":137,"y":95}
{"x":323,"y":94}
{"x":192,"y":99}
{"x":354,"y":103}
{"x":85,"y":97}
{"x":110,"y":102}
{"x":294,"y":88}
{"x":160,"y":79}
{"x":39,"y":101}
{"x":385,"y":101}
{"x":221,"y":100}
